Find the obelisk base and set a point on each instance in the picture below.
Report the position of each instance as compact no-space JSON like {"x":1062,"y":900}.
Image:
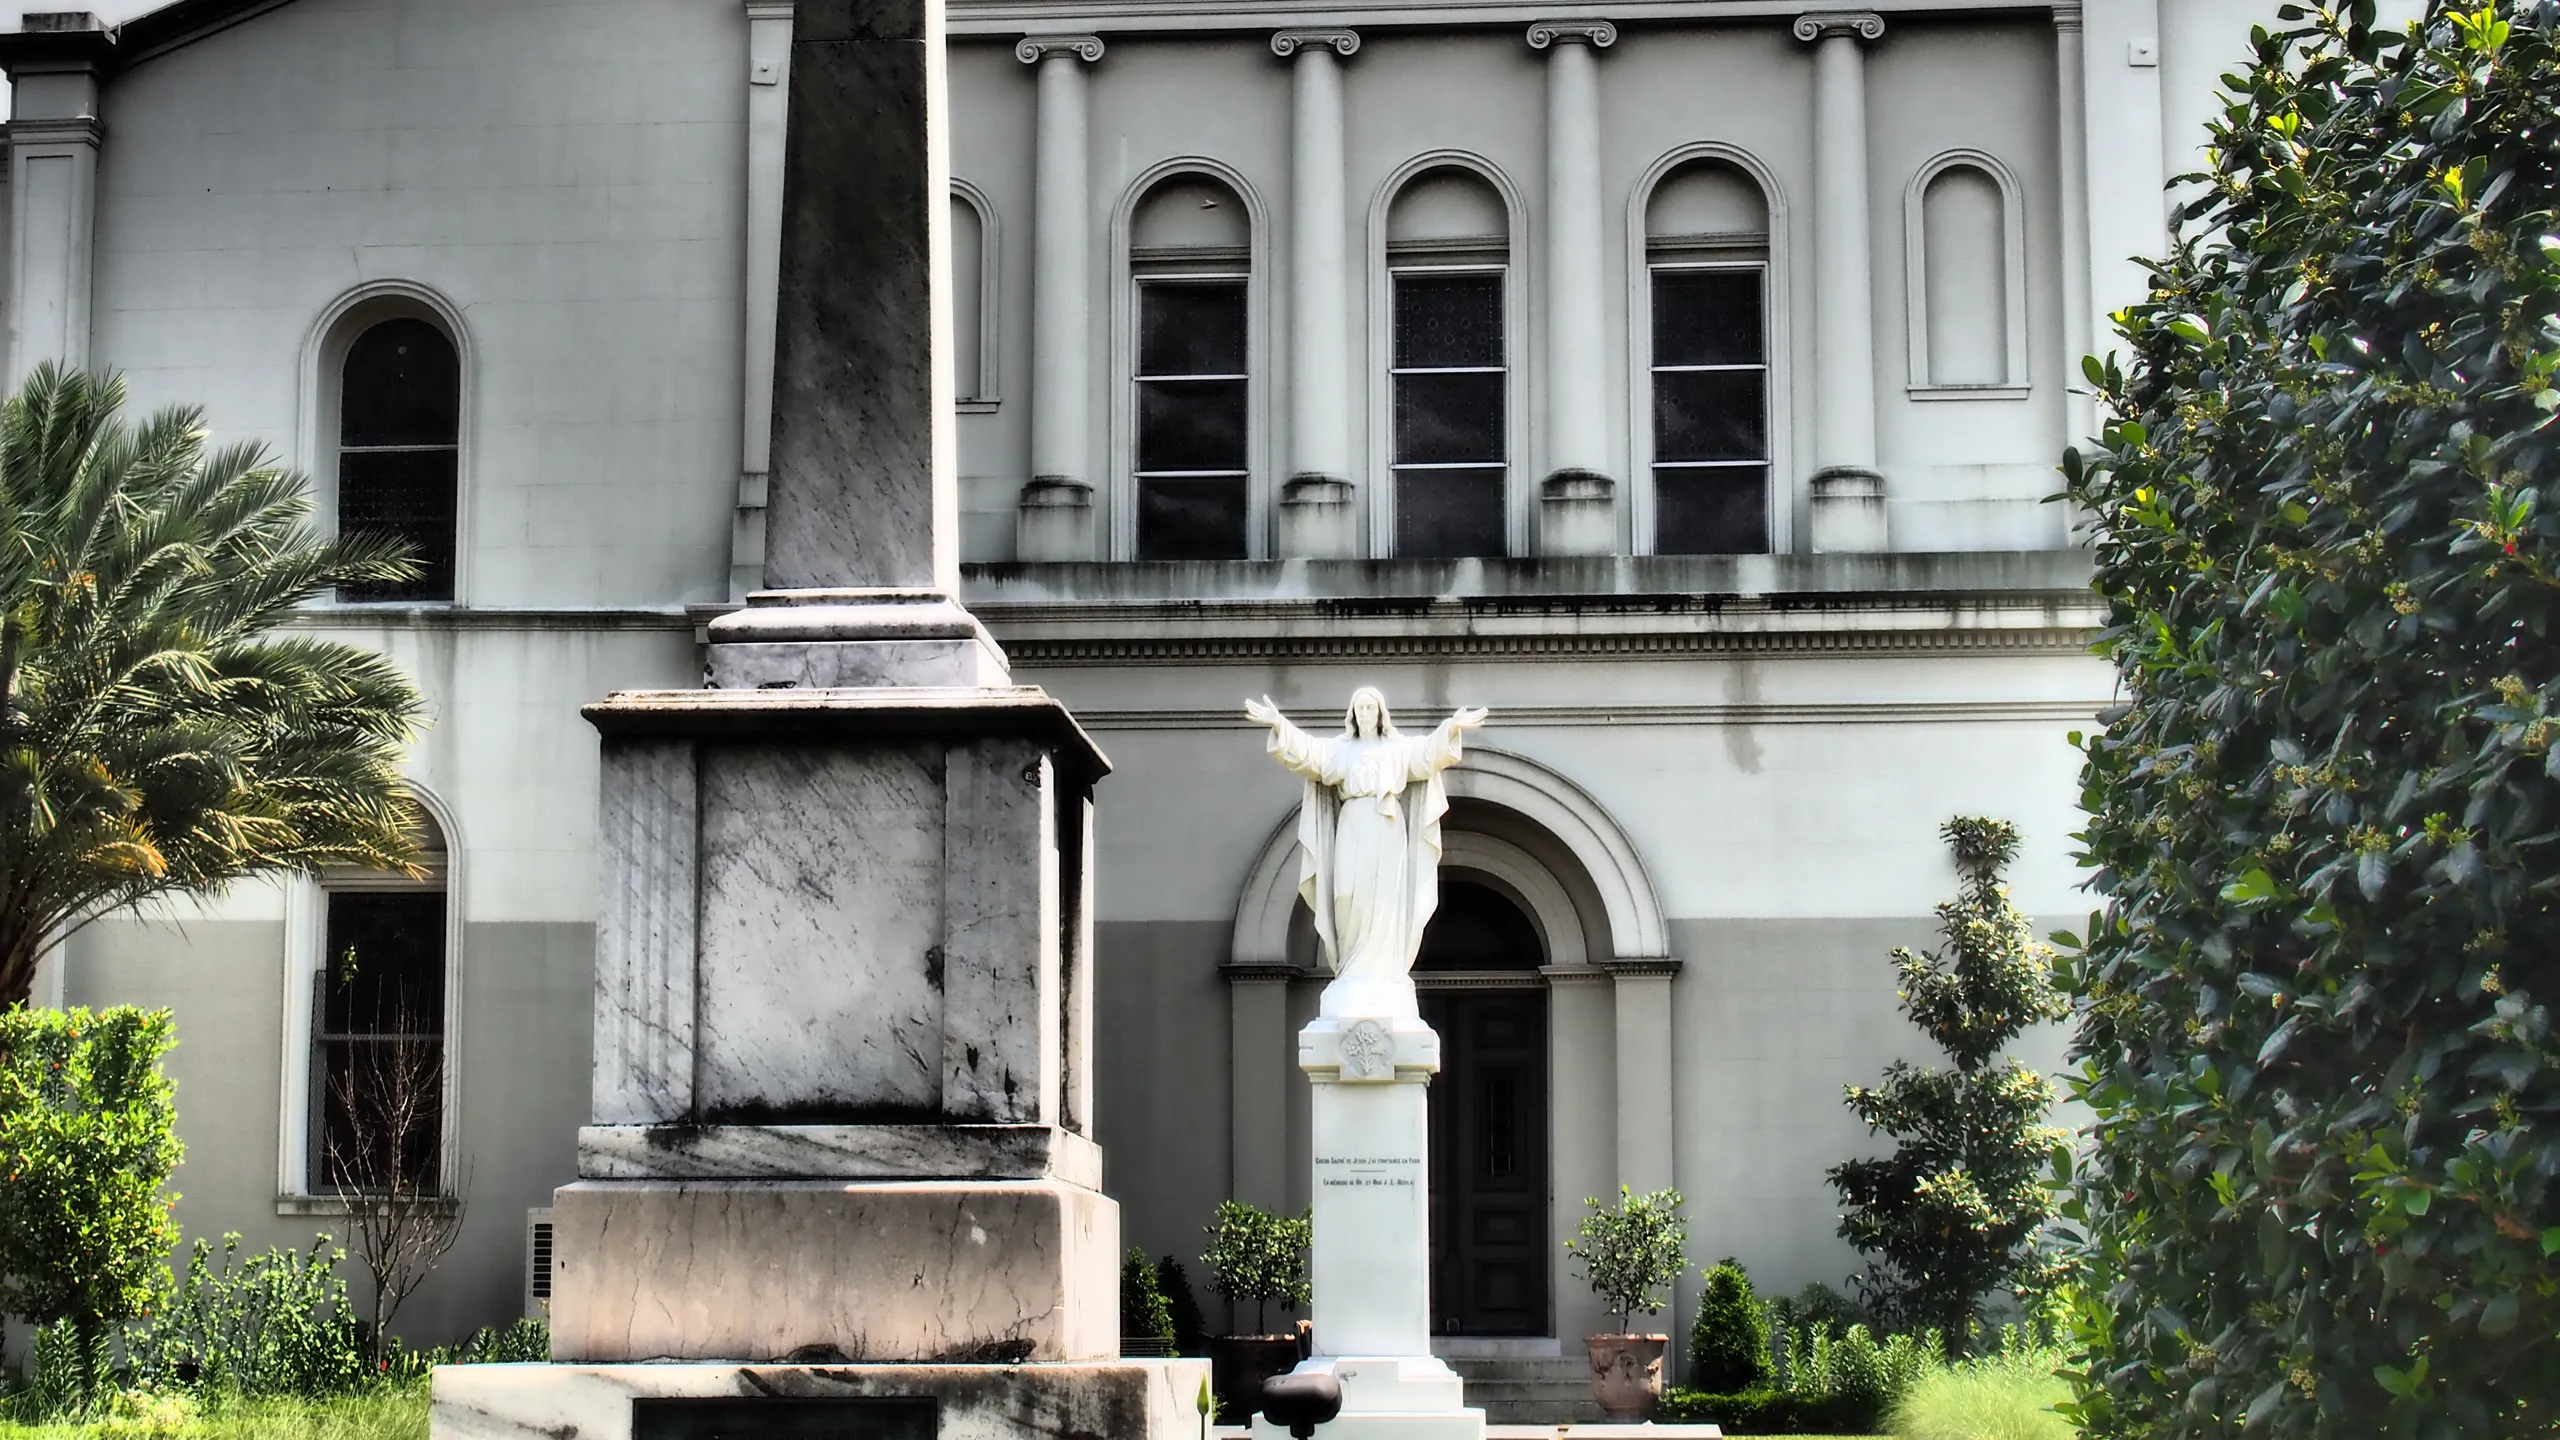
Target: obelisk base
{"x":1371,"y":1261}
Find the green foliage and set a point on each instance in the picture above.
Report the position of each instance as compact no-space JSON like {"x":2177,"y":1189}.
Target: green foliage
{"x":383,"y":1413}
{"x":1632,"y":1251}
{"x":1729,"y":1339}
{"x":1818,"y":1304}
{"x":2326,"y":517}
{"x":2007,"y":1395}
{"x":1190,"y":1327}
{"x":88,"y":1136}
{"x":1822,"y":1381}
{"x":278,"y":1323}
{"x":1948,"y":1217}
{"x":155,"y":737}
{"x":1144,"y":1310}
{"x":1258,"y":1256}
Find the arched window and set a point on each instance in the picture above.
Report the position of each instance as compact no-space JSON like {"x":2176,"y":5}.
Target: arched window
{"x":1964,"y":270}
{"x":1190,"y":259}
{"x":1448,"y":254}
{"x":1707,"y":253}
{"x":973,"y":298}
{"x":378,"y":1081}
{"x":399,"y":447}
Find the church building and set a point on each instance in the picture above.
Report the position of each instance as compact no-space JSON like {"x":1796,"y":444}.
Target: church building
{"x":1681,"y":380}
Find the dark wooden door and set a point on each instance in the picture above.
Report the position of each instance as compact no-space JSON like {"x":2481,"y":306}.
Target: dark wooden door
{"x":1489,"y":1161}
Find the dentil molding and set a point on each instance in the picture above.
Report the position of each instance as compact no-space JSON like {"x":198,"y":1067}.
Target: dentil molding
{"x":1820,"y":24}
{"x":1032,"y":49}
{"x":1598,"y":34}
{"x":1286,"y":43}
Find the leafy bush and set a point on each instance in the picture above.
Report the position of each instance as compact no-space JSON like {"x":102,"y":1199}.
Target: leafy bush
{"x":1258,"y":1256}
{"x":2316,"y":1030}
{"x":1190,"y":1327}
{"x":1729,"y":1339}
{"x":89,"y":1128}
{"x":1144,"y":1310}
{"x":277,"y":1323}
{"x":1845,"y":1383}
{"x":1948,"y":1217}
{"x":1632,"y":1251}
{"x":2007,"y":1395}
{"x":1818,"y":1304}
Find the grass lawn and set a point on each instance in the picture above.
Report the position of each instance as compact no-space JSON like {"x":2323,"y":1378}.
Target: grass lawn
{"x":393,"y":1415}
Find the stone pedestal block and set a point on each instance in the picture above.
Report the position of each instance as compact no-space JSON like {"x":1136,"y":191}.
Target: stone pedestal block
{"x":1371,"y":1261}
{"x":1848,"y":512}
{"x":1120,"y":1399}
{"x":851,"y":639}
{"x":1054,"y":522}
{"x":1577,"y":514}
{"x":1319,"y":519}
{"x":961,"y":1272}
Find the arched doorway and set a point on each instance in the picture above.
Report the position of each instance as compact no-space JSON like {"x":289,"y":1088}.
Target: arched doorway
{"x":1480,"y":985}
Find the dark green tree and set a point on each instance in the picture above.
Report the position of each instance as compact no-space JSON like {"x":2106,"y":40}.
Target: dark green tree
{"x":1729,"y":1339}
{"x":88,"y":1136}
{"x":1144,"y":1310}
{"x":2327,"y":523}
{"x":157,"y":735}
{"x":1951,"y":1215}
{"x":1258,"y":1256}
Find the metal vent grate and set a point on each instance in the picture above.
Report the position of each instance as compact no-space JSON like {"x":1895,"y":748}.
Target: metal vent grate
{"x":537,"y":1263}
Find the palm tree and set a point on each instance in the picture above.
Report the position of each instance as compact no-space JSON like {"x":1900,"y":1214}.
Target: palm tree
{"x":156,"y":739}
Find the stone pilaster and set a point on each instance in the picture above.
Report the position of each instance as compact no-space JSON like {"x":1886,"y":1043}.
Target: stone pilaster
{"x":1319,"y":505}
{"x":54,"y":138}
{"x":1577,"y":500}
{"x":1056,"y":518}
{"x":1646,"y":1154}
{"x":1848,"y":491}
{"x":768,"y":123}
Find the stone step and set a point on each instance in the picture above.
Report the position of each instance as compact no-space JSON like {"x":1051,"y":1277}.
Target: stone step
{"x":1528,"y":1389}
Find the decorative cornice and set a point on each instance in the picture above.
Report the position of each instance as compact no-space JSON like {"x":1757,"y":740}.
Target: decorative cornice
{"x":1258,"y":972}
{"x":1598,"y":34}
{"x":56,"y":130}
{"x":1618,"y":717}
{"x":770,"y":9}
{"x":1286,"y":42}
{"x":2066,"y":17}
{"x":1062,"y":651}
{"x":1644,"y":967}
{"x":1573,"y":974}
{"x":1822,"y":24}
{"x":1032,"y":49}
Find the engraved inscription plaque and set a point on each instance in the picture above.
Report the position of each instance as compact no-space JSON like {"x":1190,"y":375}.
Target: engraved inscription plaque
{"x":732,"y":1419}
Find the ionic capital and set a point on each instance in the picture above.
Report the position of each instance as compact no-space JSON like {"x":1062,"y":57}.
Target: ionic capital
{"x":1598,"y":34}
{"x":1286,"y":43}
{"x":1032,"y":49}
{"x":1823,"y":24}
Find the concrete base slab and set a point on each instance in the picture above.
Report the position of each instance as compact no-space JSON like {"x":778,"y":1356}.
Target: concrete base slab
{"x":1120,"y":1399}
{"x":785,"y":1272}
{"x":1398,"y":1397}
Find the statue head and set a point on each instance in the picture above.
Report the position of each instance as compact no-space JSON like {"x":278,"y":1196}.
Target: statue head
{"x":1366,"y":718}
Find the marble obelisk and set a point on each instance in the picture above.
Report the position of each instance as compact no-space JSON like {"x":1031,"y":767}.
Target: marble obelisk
{"x":839,"y":1149}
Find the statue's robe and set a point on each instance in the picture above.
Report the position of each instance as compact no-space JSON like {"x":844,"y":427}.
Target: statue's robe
{"x":1369,"y":842}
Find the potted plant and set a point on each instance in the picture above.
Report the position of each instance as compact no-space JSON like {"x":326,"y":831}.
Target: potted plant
{"x":1631,"y":1252}
{"x":1258,"y":1256}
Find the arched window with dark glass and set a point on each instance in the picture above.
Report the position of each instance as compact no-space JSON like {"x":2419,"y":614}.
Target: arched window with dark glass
{"x":399,"y":449}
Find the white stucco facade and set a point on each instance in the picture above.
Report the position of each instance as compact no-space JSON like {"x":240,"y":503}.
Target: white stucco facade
{"x":1714,"y":781}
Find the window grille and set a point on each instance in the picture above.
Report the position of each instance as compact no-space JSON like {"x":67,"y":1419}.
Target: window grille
{"x":399,"y":449}
{"x":1192,"y":428}
{"x":1710,"y":410}
{"x":378,"y":1040}
{"x":1452,"y":451}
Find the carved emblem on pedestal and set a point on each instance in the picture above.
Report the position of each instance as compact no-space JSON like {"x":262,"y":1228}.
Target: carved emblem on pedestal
{"x":1368,"y":1051}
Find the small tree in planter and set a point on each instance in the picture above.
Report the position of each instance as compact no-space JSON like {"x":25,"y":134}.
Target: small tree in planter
{"x":1258,"y":1256}
{"x":1630,"y":1252}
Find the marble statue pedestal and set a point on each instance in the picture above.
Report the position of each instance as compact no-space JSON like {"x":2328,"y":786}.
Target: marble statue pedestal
{"x":1119,"y":1399}
{"x":1371,"y":1261}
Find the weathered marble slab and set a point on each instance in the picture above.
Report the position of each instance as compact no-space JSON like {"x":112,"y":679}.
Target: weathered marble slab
{"x":847,"y":1152}
{"x":644,"y":998}
{"x":1120,"y":1399}
{"x":821,"y":951}
{"x":978,"y":1271}
{"x":1001,"y":1015}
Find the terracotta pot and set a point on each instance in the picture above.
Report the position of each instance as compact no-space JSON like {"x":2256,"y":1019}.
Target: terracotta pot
{"x":1238,"y":1364}
{"x":1626,"y":1373}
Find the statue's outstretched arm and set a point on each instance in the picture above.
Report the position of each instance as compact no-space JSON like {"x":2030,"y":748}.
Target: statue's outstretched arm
{"x":1444,"y":746}
{"x":1293,"y":747}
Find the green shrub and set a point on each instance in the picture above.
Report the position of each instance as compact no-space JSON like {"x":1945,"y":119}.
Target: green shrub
{"x":88,"y":1126}
{"x":1144,"y":1310}
{"x":2010,"y":1395}
{"x":1845,"y":1383}
{"x":1818,"y":1305}
{"x":1729,"y":1339}
{"x":2316,"y":1009}
{"x":1632,"y":1251}
{"x":1258,"y":1256}
{"x":277,"y":1323}
{"x":1190,"y":1327}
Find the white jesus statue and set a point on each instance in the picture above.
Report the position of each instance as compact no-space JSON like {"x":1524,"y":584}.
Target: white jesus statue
{"x":1369,"y":844}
